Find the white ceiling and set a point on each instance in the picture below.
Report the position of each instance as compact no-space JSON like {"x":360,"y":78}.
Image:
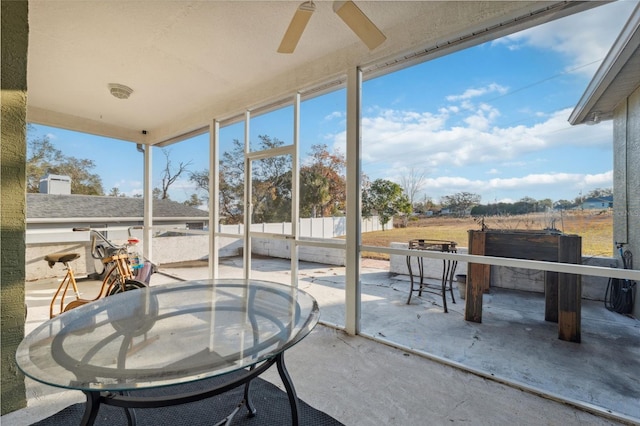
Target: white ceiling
{"x":190,"y":61}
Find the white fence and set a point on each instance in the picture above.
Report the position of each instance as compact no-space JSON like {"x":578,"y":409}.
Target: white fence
{"x":320,"y":227}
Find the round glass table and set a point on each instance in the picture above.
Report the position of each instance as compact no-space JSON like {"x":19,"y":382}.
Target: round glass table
{"x":167,"y":335}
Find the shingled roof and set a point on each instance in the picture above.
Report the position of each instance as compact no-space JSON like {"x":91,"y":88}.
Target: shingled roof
{"x":54,"y":206}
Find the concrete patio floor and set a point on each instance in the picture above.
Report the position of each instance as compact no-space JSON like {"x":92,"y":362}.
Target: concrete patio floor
{"x":511,"y":369}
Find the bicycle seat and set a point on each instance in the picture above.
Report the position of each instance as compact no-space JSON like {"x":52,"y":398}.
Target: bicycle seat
{"x":52,"y":259}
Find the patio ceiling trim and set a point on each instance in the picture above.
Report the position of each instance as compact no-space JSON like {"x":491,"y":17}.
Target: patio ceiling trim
{"x":188,"y":135}
{"x":474,"y":38}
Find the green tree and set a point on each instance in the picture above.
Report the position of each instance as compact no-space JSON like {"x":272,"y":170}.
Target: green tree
{"x":546,"y":203}
{"x":528,"y":204}
{"x":43,"y":157}
{"x":193,"y":201}
{"x":314,"y":193}
{"x":459,"y":203}
{"x":231,"y":184}
{"x":115,"y":192}
{"x":271,"y":184}
{"x":385,"y":198}
{"x":322,"y":183}
{"x":564,"y":204}
{"x":600,"y":193}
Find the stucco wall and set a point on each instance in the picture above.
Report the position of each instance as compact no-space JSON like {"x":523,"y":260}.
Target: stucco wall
{"x":626,"y":180}
{"x":15,"y":31}
{"x":170,"y":250}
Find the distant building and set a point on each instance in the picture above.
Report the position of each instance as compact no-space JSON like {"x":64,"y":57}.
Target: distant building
{"x":47,"y":213}
{"x":598,"y":203}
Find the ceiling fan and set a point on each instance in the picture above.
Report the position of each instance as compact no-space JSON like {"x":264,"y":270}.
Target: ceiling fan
{"x":346,"y":10}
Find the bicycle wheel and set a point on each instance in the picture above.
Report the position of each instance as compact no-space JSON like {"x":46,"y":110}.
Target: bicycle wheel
{"x":128,"y":285}
{"x":139,"y":319}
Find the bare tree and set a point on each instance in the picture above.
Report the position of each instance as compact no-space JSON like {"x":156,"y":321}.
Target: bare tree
{"x":169,"y":175}
{"x":412,"y":183}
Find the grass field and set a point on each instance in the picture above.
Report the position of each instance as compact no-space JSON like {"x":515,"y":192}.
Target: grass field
{"x":595,"y":228}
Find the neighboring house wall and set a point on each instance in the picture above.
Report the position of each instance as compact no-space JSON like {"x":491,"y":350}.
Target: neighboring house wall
{"x":598,"y":203}
{"x":13,"y":154}
{"x":626,"y":179}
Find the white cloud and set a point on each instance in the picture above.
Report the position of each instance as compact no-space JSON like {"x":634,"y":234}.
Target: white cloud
{"x":334,"y":115}
{"x":395,"y":140}
{"x":541,"y":179}
{"x":423,"y":139}
{"x":582,"y":38}
{"x":129,"y":188}
{"x":476,"y":92}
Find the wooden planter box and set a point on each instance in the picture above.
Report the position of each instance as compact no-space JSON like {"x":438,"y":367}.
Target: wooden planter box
{"x":562,"y":291}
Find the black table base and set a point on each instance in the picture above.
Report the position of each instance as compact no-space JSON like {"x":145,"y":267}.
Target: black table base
{"x":128,"y":402}
{"x":448,"y":269}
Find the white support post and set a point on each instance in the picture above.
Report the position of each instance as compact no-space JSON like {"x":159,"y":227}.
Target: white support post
{"x":295,"y":182}
{"x":353,"y":243}
{"x":147,"y":234}
{"x":248,"y":208}
{"x":214,"y":205}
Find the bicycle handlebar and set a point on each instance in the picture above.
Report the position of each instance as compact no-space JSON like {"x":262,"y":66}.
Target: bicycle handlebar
{"x":95,"y":234}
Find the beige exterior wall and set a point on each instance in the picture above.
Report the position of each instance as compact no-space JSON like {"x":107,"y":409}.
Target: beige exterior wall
{"x":15,"y":31}
{"x":626,"y":180}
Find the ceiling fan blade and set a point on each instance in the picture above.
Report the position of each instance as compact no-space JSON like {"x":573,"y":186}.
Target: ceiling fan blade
{"x":359,"y":23}
{"x":296,"y":27}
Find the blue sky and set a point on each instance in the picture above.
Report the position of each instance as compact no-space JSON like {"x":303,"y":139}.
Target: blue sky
{"x":491,"y":120}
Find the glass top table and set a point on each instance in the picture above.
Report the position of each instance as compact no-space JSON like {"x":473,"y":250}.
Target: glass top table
{"x":167,"y":335}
